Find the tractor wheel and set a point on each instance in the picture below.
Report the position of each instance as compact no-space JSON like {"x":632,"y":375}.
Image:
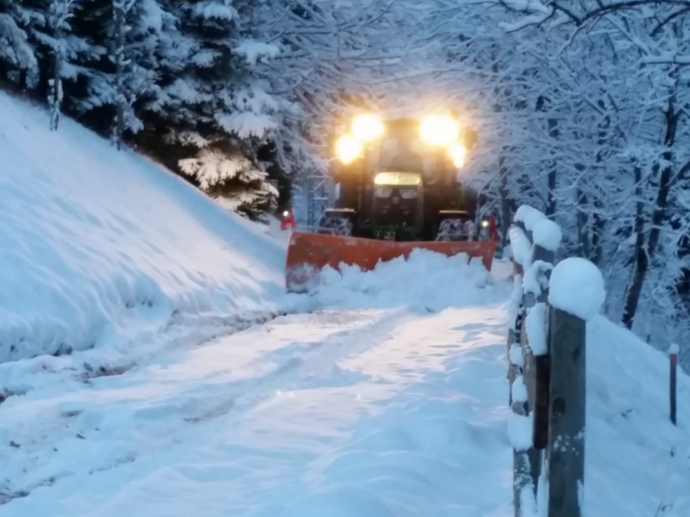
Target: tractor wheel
{"x":336,"y":224}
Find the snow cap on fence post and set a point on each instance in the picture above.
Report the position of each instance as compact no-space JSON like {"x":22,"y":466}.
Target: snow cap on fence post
{"x":547,"y":234}
{"x":528,"y":216}
{"x":577,"y":287}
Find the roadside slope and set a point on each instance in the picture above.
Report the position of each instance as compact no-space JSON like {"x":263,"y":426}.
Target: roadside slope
{"x":101,"y":247}
{"x":638,"y":462}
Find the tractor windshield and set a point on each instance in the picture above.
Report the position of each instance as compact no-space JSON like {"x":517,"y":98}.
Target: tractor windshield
{"x":402,"y":179}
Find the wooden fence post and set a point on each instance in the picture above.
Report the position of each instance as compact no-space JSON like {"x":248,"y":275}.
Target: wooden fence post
{"x":567,"y":401}
{"x":553,"y":369}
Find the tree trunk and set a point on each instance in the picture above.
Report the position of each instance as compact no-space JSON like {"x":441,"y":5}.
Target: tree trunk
{"x":582,"y":224}
{"x":551,"y":203}
{"x":645,"y":254}
{"x":119,"y":126}
{"x":505,"y":200}
{"x":58,"y":13}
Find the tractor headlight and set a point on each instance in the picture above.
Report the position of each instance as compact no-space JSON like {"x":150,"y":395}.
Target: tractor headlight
{"x":348,"y":148}
{"x":439,"y":130}
{"x":457,"y":153}
{"x":367,"y":127}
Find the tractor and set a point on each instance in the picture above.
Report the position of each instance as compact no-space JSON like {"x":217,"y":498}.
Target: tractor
{"x":396,"y":189}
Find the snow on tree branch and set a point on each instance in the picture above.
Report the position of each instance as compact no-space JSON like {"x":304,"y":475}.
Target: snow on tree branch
{"x":253,"y":50}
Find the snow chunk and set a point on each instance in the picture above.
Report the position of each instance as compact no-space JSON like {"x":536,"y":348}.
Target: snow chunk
{"x":535,"y":326}
{"x":521,"y":247}
{"x":674,"y":349}
{"x":547,"y":234}
{"x":577,"y":287}
{"x":520,"y":431}
{"x":534,"y":280}
{"x":519,"y":390}
{"x":515,"y":301}
{"x":515,"y":355}
{"x":528,"y":216}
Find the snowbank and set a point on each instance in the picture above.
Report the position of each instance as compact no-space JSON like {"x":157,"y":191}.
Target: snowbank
{"x":101,"y":247}
{"x":632,"y":448}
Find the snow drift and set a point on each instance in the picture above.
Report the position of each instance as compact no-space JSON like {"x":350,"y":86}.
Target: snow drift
{"x":100,"y":245}
{"x":637,"y":462}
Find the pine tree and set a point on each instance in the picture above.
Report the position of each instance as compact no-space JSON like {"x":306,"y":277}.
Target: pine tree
{"x":91,"y":95}
{"x":18,"y":62}
{"x":227,"y":175}
{"x":214,"y":113}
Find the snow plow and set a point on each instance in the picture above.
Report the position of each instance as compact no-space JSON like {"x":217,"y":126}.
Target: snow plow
{"x":397,"y":190}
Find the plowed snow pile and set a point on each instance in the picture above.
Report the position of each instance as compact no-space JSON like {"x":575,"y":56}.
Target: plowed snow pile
{"x":426,"y":281}
{"x":99,"y":247}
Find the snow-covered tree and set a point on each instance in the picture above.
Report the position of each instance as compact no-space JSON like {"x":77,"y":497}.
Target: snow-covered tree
{"x":227,"y":175}
{"x":18,"y":62}
{"x":57,"y":24}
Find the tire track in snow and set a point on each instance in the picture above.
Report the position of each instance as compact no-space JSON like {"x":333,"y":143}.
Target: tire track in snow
{"x":45,"y":431}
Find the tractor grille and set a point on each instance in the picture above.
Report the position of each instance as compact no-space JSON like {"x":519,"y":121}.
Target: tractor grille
{"x":395,"y":206}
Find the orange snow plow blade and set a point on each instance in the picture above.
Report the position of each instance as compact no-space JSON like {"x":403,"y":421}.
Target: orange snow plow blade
{"x":308,"y":253}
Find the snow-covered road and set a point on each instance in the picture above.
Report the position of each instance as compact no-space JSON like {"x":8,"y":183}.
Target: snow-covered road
{"x":389,"y":411}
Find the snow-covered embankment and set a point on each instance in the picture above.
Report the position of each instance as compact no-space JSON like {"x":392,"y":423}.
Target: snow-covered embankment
{"x":104,"y":248}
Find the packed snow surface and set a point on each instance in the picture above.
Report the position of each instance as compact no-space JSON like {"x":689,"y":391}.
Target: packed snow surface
{"x":101,"y":248}
{"x":577,"y":287}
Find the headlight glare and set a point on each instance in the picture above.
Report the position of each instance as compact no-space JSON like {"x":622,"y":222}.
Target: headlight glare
{"x":439,"y":130}
{"x":366,"y":128}
{"x":348,"y":148}
{"x":457,"y":153}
